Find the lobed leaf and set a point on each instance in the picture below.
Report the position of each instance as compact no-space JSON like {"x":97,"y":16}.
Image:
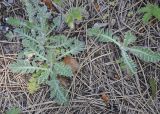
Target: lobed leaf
{"x":33,"y":85}
{"x":129,"y":62}
{"x":34,"y":48}
{"x":103,"y":36}
{"x":43,"y":78}
{"x":145,"y":54}
{"x":62,"y":69}
{"x":150,"y":10}
{"x":15,"y":22}
{"x":153,"y":86}
{"x":57,"y":91}
{"x":146,"y":17}
{"x":59,"y":41}
{"x":73,"y":14}
{"x":74,"y":48}
{"x":129,"y":38}
{"x":23,"y":66}
{"x":14,"y":110}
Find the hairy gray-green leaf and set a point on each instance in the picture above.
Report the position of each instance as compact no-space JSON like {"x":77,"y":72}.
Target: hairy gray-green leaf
{"x":63,"y":69}
{"x":57,"y":91}
{"x":32,"y":47}
{"x":24,"y":35}
{"x":129,"y":62}
{"x":14,"y":110}
{"x":129,"y":38}
{"x":43,"y":78}
{"x":15,"y":22}
{"x":24,"y":66}
{"x":145,"y":54}
{"x":95,"y":32}
{"x":74,"y":48}
{"x":10,"y":35}
{"x":60,"y":41}
{"x":103,"y":36}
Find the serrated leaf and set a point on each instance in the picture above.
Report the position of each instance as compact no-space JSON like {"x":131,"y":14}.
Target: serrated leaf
{"x":129,"y":38}
{"x":146,"y":17}
{"x":43,"y":77}
{"x":57,"y":91}
{"x":14,"y":21}
{"x":145,"y":9}
{"x":14,"y":110}
{"x":73,"y":14}
{"x":153,"y":86}
{"x":74,"y":48}
{"x":34,"y":48}
{"x":145,"y":54}
{"x":22,"y":66}
{"x":62,"y":69}
{"x":103,"y":36}
{"x":92,"y":32}
{"x":33,"y":85}
{"x":150,"y":10}
{"x":59,"y":41}
{"x":23,"y":35}
{"x":129,"y":62}
{"x":59,"y":2}
{"x":10,"y":35}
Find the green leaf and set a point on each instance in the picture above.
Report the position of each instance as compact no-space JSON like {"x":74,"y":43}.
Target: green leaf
{"x":103,"y":36}
{"x":14,"y":110}
{"x":15,"y":22}
{"x":57,"y":92}
{"x":59,"y":2}
{"x":60,"y":41}
{"x":124,"y":66}
{"x":92,"y":32}
{"x":146,"y":17}
{"x":129,"y":38}
{"x":34,"y":48}
{"x":24,"y":35}
{"x":33,"y":85}
{"x":145,"y":54}
{"x":10,"y":35}
{"x":150,"y":10}
{"x":145,"y":9}
{"x":73,"y":14}
{"x":129,"y":62}
{"x":153,"y":86}
{"x":43,"y":78}
{"x":100,"y":35}
{"x":74,"y":48}
{"x":22,"y":66}
{"x":63,"y":69}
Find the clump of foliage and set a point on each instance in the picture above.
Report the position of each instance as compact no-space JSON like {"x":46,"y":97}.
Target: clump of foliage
{"x":153,"y":87}
{"x":150,"y":10}
{"x":143,"y":53}
{"x":74,"y":13}
{"x":42,"y":53}
{"x":14,"y":110}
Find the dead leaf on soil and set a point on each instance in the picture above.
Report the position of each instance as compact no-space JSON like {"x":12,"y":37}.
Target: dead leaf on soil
{"x":97,"y":7}
{"x":69,"y":60}
{"x":105,"y":98}
{"x":117,"y":77}
{"x":64,"y":81}
{"x":48,"y":3}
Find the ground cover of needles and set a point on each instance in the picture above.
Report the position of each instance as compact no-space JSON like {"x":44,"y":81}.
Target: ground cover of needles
{"x":99,"y":73}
